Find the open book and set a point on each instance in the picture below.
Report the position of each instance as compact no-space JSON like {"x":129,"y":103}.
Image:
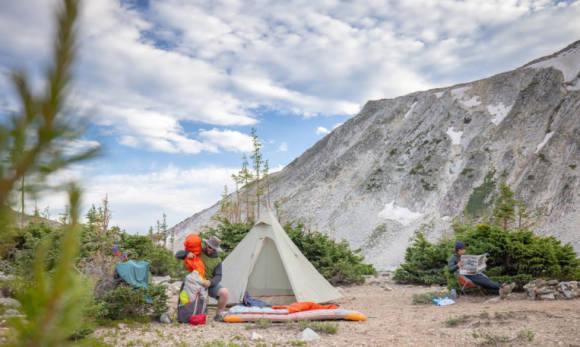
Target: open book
{"x":472,"y":264}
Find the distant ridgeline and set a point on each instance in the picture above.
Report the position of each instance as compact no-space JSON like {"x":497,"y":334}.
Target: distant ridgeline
{"x":416,"y":162}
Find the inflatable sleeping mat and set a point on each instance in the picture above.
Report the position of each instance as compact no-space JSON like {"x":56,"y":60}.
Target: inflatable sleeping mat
{"x":239,"y":314}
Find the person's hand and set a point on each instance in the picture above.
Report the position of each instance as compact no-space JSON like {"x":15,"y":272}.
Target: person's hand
{"x":206,"y":283}
{"x":190,"y":255}
{"x":460,"y":264}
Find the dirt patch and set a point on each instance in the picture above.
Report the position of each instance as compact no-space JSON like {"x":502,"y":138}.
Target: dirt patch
{"x":392,"y":320}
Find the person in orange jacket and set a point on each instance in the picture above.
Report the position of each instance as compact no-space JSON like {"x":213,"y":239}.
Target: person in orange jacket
{"x":212,"y":270}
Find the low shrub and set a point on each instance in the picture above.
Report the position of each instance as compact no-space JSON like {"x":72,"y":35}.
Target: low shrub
{"x":126,"y":302}
{"x":514,"y":256}
{"x":229,"y":233}
{"x":425,"y":262}
{"x":162,"y":261}
{"x":334,"y":260}
{"x":26,"y":243}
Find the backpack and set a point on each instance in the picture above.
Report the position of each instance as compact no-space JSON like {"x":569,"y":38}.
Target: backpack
{"x":193,"y":298}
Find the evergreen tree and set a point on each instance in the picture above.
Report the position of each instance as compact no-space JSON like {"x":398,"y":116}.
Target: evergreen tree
{"x":105,"y":215}
{"x":266,"y":172}
{"x":257,"y":164}
{"x":225,"y":204}
{"x":22,"y":211}
{"x":237,"y":180}
{"x":164,"y":230}
{"x":505,"y":204}
{"x":246,"y":177}
{"x":524,"y":215}
{"x":150,"y":233}
{"x":53,"y":302}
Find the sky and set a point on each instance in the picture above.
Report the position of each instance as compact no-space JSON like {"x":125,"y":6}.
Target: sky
{"x":170,"y":89}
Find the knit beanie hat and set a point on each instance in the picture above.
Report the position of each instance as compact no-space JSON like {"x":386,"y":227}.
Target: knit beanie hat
{"x":459,"y":245}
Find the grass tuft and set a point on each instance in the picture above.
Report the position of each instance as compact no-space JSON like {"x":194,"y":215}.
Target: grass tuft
{"x":324,"y":327}
{"x":427,"y":298}
{"x":453,"y":322}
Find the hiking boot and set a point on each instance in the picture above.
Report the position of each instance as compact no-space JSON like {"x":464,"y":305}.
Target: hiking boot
{"x":219,"y":317}
{"x":506,"y":289}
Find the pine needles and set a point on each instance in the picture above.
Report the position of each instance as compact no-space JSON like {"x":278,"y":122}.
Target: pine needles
{"x":33,"y":145}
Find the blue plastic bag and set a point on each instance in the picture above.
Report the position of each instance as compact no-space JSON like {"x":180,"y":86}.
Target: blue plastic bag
{"x":443,"y":301}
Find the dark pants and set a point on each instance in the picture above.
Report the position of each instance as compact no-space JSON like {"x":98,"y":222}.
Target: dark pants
{"x":484,"y":282}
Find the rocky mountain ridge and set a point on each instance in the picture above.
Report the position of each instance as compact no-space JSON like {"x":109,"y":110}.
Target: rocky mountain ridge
{"x":413,"y":162}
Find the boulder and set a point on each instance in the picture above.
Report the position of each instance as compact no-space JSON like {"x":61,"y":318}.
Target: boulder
{"x":256,"y":336}
{"x":550,"y":296}
{"x":9,"y":302}
{"x":308,"y":335}
{"x":552,"y":290}
{"x":545,"y":290}
{"x":165,"y":318}
{"x":157,"y":280}
{"x":12,"y":313}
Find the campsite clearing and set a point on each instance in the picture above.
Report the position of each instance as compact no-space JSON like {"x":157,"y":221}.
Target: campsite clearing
{"x":393,"y":321}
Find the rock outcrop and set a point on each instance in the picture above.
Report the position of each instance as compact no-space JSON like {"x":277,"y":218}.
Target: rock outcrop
{"x":414,"y":162}
{"x":552,"y":290}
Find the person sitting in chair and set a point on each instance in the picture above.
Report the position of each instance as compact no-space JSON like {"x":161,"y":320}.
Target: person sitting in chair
{"x":455,"y":263}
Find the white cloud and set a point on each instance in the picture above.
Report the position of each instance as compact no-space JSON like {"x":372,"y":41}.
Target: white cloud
{"x":277,"y":168}
{"x":214,"y":64}
{"x":150,"y":74}
{"x":322,"y":130}
{"x":153,"y":130}
{"x":79,"y":146}
{"x":228,"y":139}
{"x":138,"y":200}
{"x":283,"y":147}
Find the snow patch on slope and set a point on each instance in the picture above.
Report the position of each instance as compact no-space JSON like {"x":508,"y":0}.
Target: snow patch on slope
{"x":574,"y":85}
{"x":410,"y":110}
{"x":544,"y":141}
{"x":474,"y":101}
{"x":455,"y":136}
{"x":499,"y":111}
{"x":439,"y":94}
{"x":568,"y":62}
{"x":399,"y":214}
{"x":458,"y":93}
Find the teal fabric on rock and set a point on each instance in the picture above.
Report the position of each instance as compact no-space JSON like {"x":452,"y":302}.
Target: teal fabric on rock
{"x":136,"y":273}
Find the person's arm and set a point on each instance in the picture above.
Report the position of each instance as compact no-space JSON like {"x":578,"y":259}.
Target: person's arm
{"x":181,"y":254}
{"x":217,"y":275}
{"x":452,"y":264}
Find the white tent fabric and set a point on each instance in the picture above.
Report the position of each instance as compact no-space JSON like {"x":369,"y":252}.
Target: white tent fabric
{"x":271,"y":268}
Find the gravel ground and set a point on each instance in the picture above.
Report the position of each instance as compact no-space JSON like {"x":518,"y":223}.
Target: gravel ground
{"x":393,"y":320}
